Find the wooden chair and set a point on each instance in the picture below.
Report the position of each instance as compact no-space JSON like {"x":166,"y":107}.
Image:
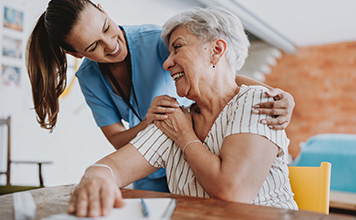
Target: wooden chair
{"x":6,"y":122}
{"x":311,"y":186}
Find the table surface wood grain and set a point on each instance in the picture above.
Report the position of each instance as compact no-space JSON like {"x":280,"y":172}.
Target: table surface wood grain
{"x":213,"y":209}
{"x":54,"y":200}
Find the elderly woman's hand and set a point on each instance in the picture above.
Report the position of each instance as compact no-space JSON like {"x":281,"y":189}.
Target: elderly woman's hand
{"x":95,"y":195}
{"x":282,"y":108}
{"x":161,"y":106}
{"x":178,"y":126}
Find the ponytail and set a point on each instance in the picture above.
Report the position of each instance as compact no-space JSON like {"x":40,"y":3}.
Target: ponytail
{"x":46,"y":66}
{"x":46,"y":59}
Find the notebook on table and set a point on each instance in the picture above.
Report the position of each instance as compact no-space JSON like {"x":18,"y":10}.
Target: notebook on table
{"x":158,"y":209}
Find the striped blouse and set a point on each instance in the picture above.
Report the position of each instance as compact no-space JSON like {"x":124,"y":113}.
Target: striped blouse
{"x":236,"y":117}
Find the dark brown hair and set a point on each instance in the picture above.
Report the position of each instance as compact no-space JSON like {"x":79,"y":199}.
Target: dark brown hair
{"x":46,"y":59}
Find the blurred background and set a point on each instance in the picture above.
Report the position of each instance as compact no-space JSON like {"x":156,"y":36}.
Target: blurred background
{"x":307,"y":48}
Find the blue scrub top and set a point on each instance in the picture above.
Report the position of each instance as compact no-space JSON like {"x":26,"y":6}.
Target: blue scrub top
{"x":149,"y":79}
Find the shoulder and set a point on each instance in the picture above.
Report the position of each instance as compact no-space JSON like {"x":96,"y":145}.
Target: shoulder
{"x":89,"y":74}
{"x":250,"y":95}
{"x":142,"y":30}
{"x":146,"y":37}
{"x":239,"y":109}
{"x":87,"y":67}
{"x":250,"y":90}
{"x":241,"y":119}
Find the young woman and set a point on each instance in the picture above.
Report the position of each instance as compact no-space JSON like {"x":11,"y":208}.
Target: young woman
{"x":120,"y":78}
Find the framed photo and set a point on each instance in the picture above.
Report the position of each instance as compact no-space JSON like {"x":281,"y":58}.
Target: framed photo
{"x":12,"y":47}
{"x":13,"y":19}
{"x":10,"y":75}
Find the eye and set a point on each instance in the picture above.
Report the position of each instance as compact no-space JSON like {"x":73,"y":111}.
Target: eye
{"x":176,"y":47}
{"x":91,"y":50}
{"x":107,"y":29}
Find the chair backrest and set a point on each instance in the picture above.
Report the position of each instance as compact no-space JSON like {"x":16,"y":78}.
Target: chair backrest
{"x":7,"y":122}
{"x":311,"y":187}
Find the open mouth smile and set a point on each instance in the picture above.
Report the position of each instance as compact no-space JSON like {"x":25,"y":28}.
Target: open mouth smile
{"x":177,"y":75}
{"x":116,"y":51}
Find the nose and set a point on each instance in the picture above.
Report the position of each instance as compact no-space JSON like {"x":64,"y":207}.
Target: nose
{"x":109,"y":44}
{"x":169,"y":63}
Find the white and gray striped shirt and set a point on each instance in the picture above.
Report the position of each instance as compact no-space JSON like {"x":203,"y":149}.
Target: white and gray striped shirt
{"x":236,"y":117}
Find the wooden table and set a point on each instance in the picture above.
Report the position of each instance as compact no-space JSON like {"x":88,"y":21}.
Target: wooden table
{"x":54,"y":200}
{"x":343,"y":200}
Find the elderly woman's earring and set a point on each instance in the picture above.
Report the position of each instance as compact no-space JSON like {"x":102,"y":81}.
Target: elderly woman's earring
{"x":214,"y":64}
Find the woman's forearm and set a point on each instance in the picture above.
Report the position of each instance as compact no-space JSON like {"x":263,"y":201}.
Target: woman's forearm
{"x":160,"y":108}
{"x":249,"y":81}
{"x":127,"y":165}
{"x":119,"y":136}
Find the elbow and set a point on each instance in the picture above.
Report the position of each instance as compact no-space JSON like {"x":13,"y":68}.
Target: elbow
{"x":232,"y":192}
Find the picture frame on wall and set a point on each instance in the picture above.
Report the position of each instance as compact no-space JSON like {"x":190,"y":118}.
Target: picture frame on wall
{"x":10,"y":75}
{"x":13,"y":18}
{"x":12,"y":47}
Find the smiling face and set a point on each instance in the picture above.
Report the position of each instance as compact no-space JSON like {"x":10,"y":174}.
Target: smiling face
{"x":189,"y":62}
{"x":97,"y":37}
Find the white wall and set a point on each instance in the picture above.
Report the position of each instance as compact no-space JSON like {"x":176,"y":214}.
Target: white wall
{"x":144,"y":11}
{"x":76,"y":141}
{"x":306,"y":22}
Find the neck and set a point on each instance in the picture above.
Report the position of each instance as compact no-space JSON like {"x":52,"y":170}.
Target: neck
{"x":212,"y":99}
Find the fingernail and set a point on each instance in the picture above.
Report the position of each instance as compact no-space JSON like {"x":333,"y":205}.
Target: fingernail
{"x":94,"y":213}
{"x":106,"y":211}
{"x":255,"y":111}
{"x":176,"y":104}
{"x":256,"y":106}
{"x":270,"y":126}
{"x":81,"y":212}
{"x":264,"y":122}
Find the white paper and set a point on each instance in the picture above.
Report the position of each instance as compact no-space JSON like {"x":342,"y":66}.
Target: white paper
{"x":159,"y":209}
{"x":24,"y":206}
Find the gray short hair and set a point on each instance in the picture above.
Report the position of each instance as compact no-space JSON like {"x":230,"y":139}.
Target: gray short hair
{"x":209,"y":24}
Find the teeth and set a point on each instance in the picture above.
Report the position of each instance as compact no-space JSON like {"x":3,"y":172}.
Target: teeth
{"x":177,"y":75}
{"x":116,"y":49}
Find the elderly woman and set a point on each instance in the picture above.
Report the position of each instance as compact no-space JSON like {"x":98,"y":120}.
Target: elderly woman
{"x":215,"y":148}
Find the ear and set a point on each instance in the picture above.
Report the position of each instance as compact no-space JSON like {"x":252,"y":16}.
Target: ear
{"x":219,"y":49}
{"x":76,"y":55}
{"x":101,"y":8}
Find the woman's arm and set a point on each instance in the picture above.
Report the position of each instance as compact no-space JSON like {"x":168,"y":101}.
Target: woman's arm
{"x":249,"y":81}
{"x":282,"y":107}
{"x":238,"y":173}
{"x":98,"y":191}
{"x":119,"y":136}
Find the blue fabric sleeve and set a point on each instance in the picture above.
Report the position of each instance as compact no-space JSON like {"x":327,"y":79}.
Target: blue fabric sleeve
{"x":104,"y":114}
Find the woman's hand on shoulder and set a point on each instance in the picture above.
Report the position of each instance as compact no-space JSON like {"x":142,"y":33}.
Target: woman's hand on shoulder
{"x":282,"y":108}
{"x":161,"y":106}
{"x":178,"y":126}
{"x":95,"y":195}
